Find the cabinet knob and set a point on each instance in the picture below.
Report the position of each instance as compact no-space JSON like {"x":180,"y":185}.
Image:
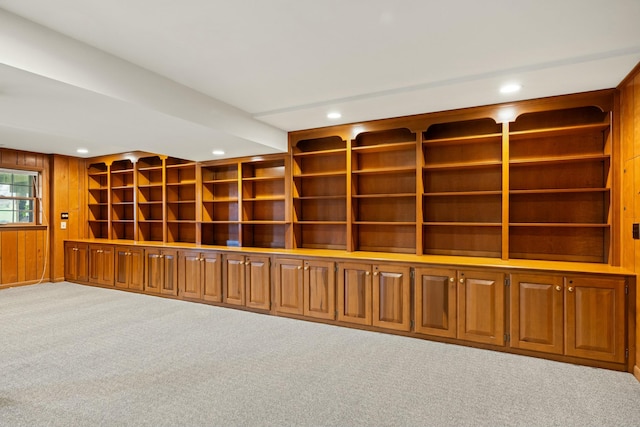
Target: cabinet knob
{"x":462,"y":281}
{"x":366,"y":273}
{"x":241,"y":262}
{"x":300,"y":267}
{"x":306,"y":268}
{"x":161,"y":256}
{"x":451,"y":279}
{"x":375,"y":273}
{"x":570,"y":289}
{"x":558,"y":288}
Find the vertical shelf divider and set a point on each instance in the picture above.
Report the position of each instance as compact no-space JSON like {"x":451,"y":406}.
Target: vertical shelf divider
{"x":505,"y":190}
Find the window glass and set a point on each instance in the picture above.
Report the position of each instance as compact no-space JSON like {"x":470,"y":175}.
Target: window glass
{"x":18,"y":196}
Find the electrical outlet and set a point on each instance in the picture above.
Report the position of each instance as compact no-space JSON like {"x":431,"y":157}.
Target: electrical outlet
{"x":636,"y":231}
{"x":63,"y":225}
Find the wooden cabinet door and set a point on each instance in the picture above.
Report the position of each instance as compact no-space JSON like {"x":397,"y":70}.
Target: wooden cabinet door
{"x":258,"y":282}
{"x":169,"y":284}
{"x":481,"y":307}
{"x":391,"y":297}
{"x":189,"y":274}
{"x":211,"y":276}
{"x":106,"y":272}
{"x":435,"y":302}
{"x":233,"y":279}
{"x":289,"y":284}
{"x":319,"y":290}
{"x":101,"y":264}
{"x":155,"y":270}
{"x":70,"y":262}
{"x":595,"y":318}
{"x":122,"y":267}
{"x":136,"y":268}
{"x":537,"y":312}
{"x":354,"y":293}
{"x":76,"y":262}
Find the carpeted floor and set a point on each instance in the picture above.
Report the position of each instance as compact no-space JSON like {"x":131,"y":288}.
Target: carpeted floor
{"x":73,"y":355}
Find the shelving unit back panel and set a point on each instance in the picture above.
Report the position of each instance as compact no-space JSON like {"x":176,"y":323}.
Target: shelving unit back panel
{"x":463,"y":153}
{"x":481,"y":208}
{"x":181,"y":212}
{"x":223,"y":211}
{"x":579,"y":208}
{"x":386,"y":238}
{"x":181,"y":193}
{"x":152,"y":232}
{"x":557,"y":146}
{"x":385,"y":183}
{"x":150,"y":194}
{"x":559,"y":243}
{"x":480,"y":241}
{"x":152,"y":212}
{"x":221,"y":234}
{"x":462,"y":129}
{"x":98,"y":212}
{"x":320,"y":164}
{"x":386,"y":209}
{"x":389,"y":136}
{"x":588,"y":174}
{"x":558,"y":118}
{"x":477,"y":179}
{"x":321,"y":236}
{"x":320,"y":210}
{"x":262,"y":189}
{"x":319,"y":144}
{"x":267,"y":210}
{"x":217,"y":173}
{"x":263,"y":235}
{"x":384,"y":159}
{"x":181,"y":232}
{"x":321,"y":186}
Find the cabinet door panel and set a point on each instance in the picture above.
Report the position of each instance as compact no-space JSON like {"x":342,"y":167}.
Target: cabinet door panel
{"x":289,"y":286}
{"x":319,"y":289}
{"x":481,"y":307}
{"x":136,"y":269}
{"x":169,"y":284}
{"x":391,"y":296}
{"x":82,"y":263}
{"x":537,"y":320}
{"x":155,"y":270}
{"x":211,"y":277}
{"x":96,"y":266}
{"x":234,"y":274}
{"x":106,"y":273}
{"x":122,"y":269}
{"x":258,"y":292}
{"x":595,"y":319}
{"x":435,"y":302}
{"x":189,"y":267}
{"x":354,"y":293}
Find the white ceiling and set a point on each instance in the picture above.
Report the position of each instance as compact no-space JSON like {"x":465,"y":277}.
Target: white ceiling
{"x":184,"y":78}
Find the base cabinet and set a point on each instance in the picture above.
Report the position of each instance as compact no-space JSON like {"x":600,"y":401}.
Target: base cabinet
{"x":161,"y":266}
{"x":575,"y":316}
{"x":305,"y":287}
{"x":101,"y":264}
{"x":129,"y":268}
{"x":247,"y":280}
{"x":199,"y":275}
{"x":375,"y":294}
{"x":76,"y":262}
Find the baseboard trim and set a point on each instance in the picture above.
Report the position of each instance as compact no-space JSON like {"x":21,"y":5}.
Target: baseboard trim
{"x":636,"y":372}
{"x":28,"y":282}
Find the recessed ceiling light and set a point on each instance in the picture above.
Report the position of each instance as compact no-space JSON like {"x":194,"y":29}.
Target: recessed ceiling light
{"x":334,"y":115}
{"x":218,"y":152}
{"x":82,"y":151}
{"x":510,"y":88}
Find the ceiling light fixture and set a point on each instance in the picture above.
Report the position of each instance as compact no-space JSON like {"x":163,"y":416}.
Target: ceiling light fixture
{"x":334,"y":115}
{"x":218,"y":152}
{"x":510,"y":88}
{"x":82,"y":151}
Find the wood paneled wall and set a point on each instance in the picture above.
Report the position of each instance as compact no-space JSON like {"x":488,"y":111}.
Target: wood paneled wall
{"x":24,"y":250}
{"x":31,"y":253}
{"x":630,"y":138}
{"x":68,"y":195}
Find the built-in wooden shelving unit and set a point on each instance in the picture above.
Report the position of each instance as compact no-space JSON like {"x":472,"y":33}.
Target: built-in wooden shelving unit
{"x":462,"y":183}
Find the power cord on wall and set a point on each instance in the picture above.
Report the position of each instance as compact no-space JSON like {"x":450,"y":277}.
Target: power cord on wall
{"x":46,"y":223}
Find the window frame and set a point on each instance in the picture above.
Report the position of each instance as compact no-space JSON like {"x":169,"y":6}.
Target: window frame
{"x":34,"y":189}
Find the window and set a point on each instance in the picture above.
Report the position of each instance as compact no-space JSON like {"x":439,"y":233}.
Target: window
{"x":18,"y":196}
